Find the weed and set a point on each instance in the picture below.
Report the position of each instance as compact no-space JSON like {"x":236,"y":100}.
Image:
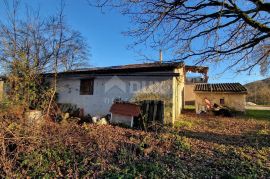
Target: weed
{"x":126,"y":155}
{"x":183,"y":124}
{"x":146,"y":169}
{"x":181,"y":143}
{"x":263,"y":132}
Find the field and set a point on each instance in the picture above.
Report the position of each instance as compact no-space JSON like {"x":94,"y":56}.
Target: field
{"x":252,"y":112}
{"x":198,"y":146}
{"x":258,"y":114}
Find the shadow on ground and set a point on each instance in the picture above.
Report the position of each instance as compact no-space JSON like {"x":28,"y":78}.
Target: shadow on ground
{"x":248,"y":139}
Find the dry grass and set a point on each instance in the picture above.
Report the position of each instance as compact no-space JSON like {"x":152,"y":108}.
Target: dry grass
{"x":198,"y":147}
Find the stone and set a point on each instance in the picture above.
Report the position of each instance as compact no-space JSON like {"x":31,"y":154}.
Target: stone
{"x":102,"y":121}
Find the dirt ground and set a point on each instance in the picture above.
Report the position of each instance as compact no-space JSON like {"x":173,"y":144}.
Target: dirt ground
{"x":198,"y":146}
{"x":258,"y":107}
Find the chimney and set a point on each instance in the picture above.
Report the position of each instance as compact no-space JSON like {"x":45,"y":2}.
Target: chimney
{"x":160,"y":56}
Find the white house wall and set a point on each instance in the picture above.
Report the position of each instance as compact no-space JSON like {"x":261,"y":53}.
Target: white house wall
{"x":178,"y":92}
{"x":106,"y":89}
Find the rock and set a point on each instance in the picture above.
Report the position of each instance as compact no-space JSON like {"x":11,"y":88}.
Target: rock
{"x":102,"y":121}
{"x":34,"y":116}
{"x":94,"y":119}
{"x":66,"y":116}
{"x":250,"y":104}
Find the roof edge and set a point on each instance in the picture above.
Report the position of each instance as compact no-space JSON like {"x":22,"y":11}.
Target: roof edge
{"x":143,"y":67}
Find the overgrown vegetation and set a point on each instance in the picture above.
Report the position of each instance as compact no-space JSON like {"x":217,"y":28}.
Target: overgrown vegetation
{"x":198,"y":147}
{"x":30,"y":47}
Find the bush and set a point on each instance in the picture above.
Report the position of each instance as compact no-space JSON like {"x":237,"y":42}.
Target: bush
{"x":51,"y":162}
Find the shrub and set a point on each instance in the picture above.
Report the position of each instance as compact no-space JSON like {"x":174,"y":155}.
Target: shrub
{"x":51,"y":162}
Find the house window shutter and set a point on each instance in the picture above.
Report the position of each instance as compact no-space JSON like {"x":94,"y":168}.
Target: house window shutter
{"x":87,"y":87}
{"x":222,"y":101}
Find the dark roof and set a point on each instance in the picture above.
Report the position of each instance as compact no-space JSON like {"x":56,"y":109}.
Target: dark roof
{"x":220,"y":87}
{"x":134,"y":70}
{"x":125,"y":109}
{"x":130,"y":68}
{"x":126,"y":70}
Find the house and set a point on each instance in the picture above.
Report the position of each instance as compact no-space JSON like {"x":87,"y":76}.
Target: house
{"x":95,"y":89}
{"x":232,"y":95}
{"x":190,"y":82}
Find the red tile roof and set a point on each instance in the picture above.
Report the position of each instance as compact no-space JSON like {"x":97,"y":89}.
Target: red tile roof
{"x":220,"y":87}
{"x":125,"y":109}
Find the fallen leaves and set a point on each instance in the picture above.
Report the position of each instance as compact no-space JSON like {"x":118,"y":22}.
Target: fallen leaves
{"x":200,"y":147}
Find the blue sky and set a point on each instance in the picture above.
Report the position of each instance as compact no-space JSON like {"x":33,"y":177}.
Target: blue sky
{"x":103,"y":32}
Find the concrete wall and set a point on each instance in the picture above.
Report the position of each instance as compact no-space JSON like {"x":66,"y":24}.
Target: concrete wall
{"x":106,"y":89}
{"x":128,"y":88}
{"x":178,"y":93}
{"x":232,"y":100}
{"x":189,"y":94}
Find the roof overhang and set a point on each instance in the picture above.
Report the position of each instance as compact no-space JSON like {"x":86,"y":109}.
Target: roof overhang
{"x":218,"y":92}
{"x":230,"y":88}
{"x":196,"y":69}
{"x":146,"y":69}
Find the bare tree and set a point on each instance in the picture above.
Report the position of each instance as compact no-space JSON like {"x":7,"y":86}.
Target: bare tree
{"x":38,"y":38}
{"x":32,"y":45}
{"x":232,"y":31}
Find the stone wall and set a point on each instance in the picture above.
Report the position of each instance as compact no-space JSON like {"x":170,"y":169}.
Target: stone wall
{"x":234,"y":101}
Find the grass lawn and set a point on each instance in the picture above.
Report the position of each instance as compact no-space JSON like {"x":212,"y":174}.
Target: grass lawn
{"x":258,"y":114}
{"x":250,"y":113}
{"x":189,"y":107}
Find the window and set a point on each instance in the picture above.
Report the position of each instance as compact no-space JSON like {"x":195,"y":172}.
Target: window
{"x":87,"y":87}
{"x":222,"y":101}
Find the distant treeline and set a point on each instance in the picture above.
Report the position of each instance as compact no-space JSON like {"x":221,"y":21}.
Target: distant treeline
{"x":259,"y":92}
